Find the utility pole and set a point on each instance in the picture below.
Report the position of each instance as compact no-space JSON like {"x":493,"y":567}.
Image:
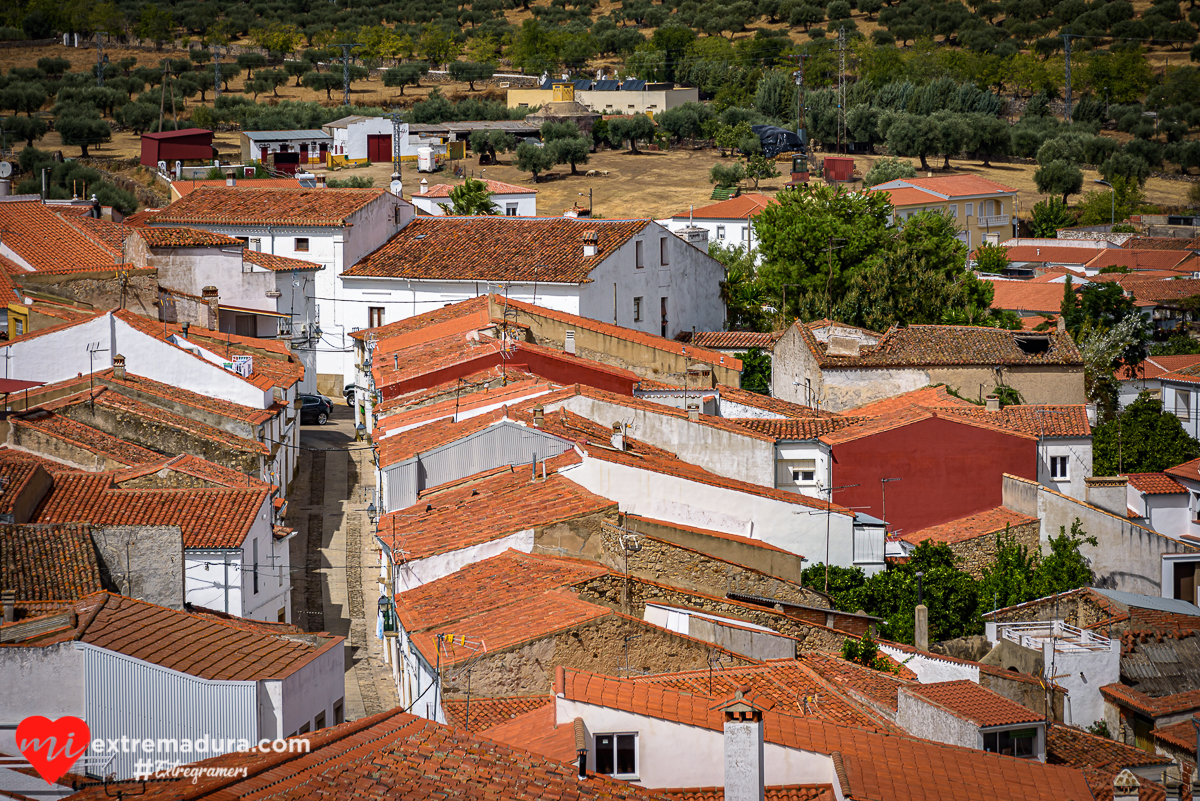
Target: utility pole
{"x":346,"y":70}
{"x":801,"y":122}
{"x":397,"y":185}
{"x":841,"y":134}
{"x":216,"y":71}
{"x":1067,"y":53}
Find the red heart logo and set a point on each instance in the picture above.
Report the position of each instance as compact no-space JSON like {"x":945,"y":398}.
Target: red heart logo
{"x":52,"y":746}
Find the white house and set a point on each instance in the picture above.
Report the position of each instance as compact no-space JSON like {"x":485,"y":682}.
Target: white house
{"x":291,"y":151}
{"x":359,"y":140}
{"x":134,"y":670}
{"x":508,"y":200}
{"x":986,"y":212}
{"x":334,"y":228}
{"x":729,"y":223}
{"x":634,"y":273}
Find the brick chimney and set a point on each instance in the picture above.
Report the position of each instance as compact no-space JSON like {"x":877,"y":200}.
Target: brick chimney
{"x":993,"y":403}
{"x":745,"y":775}
{"x":1126,"y":787}
{"x":591,"y":243}
{"x":320,"y":180}
{"x":539,"y":416}
{"x":212,"y":299}
{"x":1109,"y":493}
{"x":119,"y":367}
{"x":8,"y":599}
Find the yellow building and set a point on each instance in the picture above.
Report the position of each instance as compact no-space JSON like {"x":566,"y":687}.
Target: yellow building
{"x":605,"y":97}
{"x":986,"y":211}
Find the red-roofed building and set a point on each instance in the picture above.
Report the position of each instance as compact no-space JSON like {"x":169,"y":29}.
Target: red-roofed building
{"x":1145,"y":377}
{"x":963,"y":713}
{"x":184,"y":144}
{"x":985,"y":210}
{"x":729,"y":223}
{"x":508,"y":200}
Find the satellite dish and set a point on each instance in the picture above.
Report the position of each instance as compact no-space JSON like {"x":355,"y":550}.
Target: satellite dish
{"x":5,"y":169}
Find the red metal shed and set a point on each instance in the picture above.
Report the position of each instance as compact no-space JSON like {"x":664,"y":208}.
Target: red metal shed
{"x":186,"y":144}
{"x":838,"y":168}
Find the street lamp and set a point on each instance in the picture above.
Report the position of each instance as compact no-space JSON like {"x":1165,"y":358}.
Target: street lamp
{"x":1112,"y":194}
{"x":372,"y":513}
{"x":591,"y":211}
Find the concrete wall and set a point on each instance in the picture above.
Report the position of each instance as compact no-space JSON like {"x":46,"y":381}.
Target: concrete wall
{"x":274,"y":571}
{"x":314,"y":688}
{"x":97,"y":288}
{"x":930,"y":722}
{"x":46,"y":681}
{"x":143,"y":562}
{"x":929,"y":668}
{"x":737,"y":636}
{"x":615,"y":102}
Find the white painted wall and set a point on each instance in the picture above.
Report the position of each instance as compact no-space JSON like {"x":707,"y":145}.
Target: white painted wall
{"x":44,"y":681}
{"x":522,"y":205}
{"x":314,"y":688}
{"x":1078,"y":451}
{"x":274,"y":571}
{"x":209,"y":582}
{"x":410,"y":575}
{"x":929,"y":668}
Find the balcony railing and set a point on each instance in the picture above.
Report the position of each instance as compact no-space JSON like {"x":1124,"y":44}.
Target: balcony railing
{"x":1064,"y":636}
{"x":994,"y":221}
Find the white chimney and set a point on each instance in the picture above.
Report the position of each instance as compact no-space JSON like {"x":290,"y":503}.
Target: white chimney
{"x":591,"y":243}
{"x":119,"y":367}
{"x":993,"y":403}
{"x":230,"y":180}
{"x":1109,"y":493}
{"x":618,"y":436}
{"x":693,"y":411}
{"x":1126,"y":786}
{"x":424,"y":186}
{"x":744,"y":765}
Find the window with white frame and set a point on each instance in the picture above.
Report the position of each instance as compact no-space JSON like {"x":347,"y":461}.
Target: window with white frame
{"x":510,"y":209}
{"x":720,"y":232}
{"x":1183,"y":404}
{"x":637,"y":310}
{"x":616,"y":755}
{"x":953,"y":209}
{"x":804,"y":471}
{"x":745,"y":230}
{"x":970,"y":209}
{"x":1059,"y":468}
{"x":301,"y":244}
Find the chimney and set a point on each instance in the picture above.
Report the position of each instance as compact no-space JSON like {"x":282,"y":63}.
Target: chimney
{"x":1172,"y":781}
{"x":744,"y":765}
{"x":209,"y":294}
{"x":320,"y":180}
{"x":424,"y":186}
{"x":230,"y":180}
{"x":186,"y":325}
{"x":1126,"y":786}
{"x":693,"y":410}
{"x":119,"y":367}
{"x":9,"y":600}
{"x":591,"y":243}
{"x":921,"y":617}
{"x":1061,"y":325}
{"x":580,"y":743}
{"x":993,"y":403}
{"x":1108,"y":493}
{"x":539,"y":416}
{"x":618,"y":436}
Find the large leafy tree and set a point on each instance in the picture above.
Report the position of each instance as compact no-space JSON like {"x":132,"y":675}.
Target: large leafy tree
{"x":533,"y":159}
{"x":633,"y":128}
{"x":406,"y":74}
{"x":756,"y":371}
{"x":1141,"y":439}
{"x":1059,"y":177}
{"x":471,"y":71}
{"x":471,"y":199}
{"x":1048,"y":216}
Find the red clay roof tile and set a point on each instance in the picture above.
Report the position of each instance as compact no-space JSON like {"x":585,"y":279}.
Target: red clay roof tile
{"x":46,"y":563}
{"x":982,"y":524}
{"x":1155,"y":484}
{"x":486,"y":713}
{"x":221,"y":205}
{"x":966,"y":699}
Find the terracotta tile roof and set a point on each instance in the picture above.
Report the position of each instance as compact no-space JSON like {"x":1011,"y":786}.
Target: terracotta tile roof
{"x":989,"y":523}
{"x":485,"y":511}
{"x":10,"y":267}
{"x":536,"y":730}
{"x":503,"y":627}
{"x":475,"y":308}
{"x":794,"y":792}
{"x":72,"y":432}
{"x":407,"y":444}
{"x":280,"y":370}
{"x":156,"y":389}
{"x":496,"y":249}
{"x":695,"y":353}
{"x":1181,"y":735}
{"x":278,"y":264}
{"x":187,"y":187}
{"x":1138,"y":242}
{"x":46,"y":240}
{"x":187,"y":237}
{"x":108,"y":233}
{"x":1139,"y":259}
{"x":1101,"y":782}
{"x":1159,"y":291}
{"x":767,"y":403}
{"x":873,"y":766}
{"x":1184,"y":375}
{"x":1058,"y":274}
{"x":223,"y":205}
{"x":794,"y":687}
{"x":946,"y":345}
{"x":869,"y":426}
{"x":959,"y":185}
{"x":208,"y":518}
{"x":124,"y":404}
{"x":741,"y":207}
{"x":509,"y":578}
{"x":189,"y":465}
{"x":1067,"y":745}
{"x":1149,"y":705}
{"x":493,"y":187}
{"x":1136,"y":277}
{"x":46,"y":563}
{"x":927,"y":397}
{"x":1068,"y":420}
{"x":1052,"y":254}
{"x":487,"y":713}
{"x":810,"y":428}
{"x":1155,"y":484}
{"x":15,"y":476}
{"x":1025,"y":296}
{"x":465,"y":400}
{"x":1155,"y":366}
{"x":392,"y":755}
{"x":858,"y":681}
{"x":966,"y":699}
{"x":199,"y":645}
{"x":733,"y":340}
{"x":903,"y":196}
{"x":140,"y":219}
{"x":10,"y":458}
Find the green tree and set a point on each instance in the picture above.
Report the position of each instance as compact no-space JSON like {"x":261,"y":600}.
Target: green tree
{"x":1048,"y":216}
{"x":81,"y":126}
{"x":315,"y":81}
{"x":29,"y":129}
{"x":571,"y":150}
{"x":727,"y":175}
{"x":137,"y":116}
{"x":914,"y":136}
{"x":1064,"y":568}
{"x":251,"y":62}
{"x":756,"y":371}
{"x":1059,"y":178}
{"x":741,"y":292}
{"x":471,"y":199}
{"x":533,"y":159}
{"x":437,"y":45}
{"x":991,"y":259}
{"x":407,"y":74}
{"x":1141,"y":439}
{"x":26,"y":96}
{"x":888,"y":169}
{"x":864,"y":651}
{"x":631,"y":128}
{"x":155,"y":24}
{"x":759,"y":166}
{"x":471,"y":71}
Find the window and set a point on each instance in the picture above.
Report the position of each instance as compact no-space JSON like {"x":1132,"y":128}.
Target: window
{"x":319,"y":723}
{"x":1183,"y":404}
{"x":304,"y":729}
{"x":662,"y":252}
{"x":1020,"y":743}
{"x":970,"y":209}
{"x":301,"y":244}
{"x":374,"y":316}
{"x":720,"y":232}
{"x":953,"y":209}
{"x":510,"y":209}
{"x":19,"y":325}
{"x":256,"y":244}
{"x":1058,"y":468}
{"x":256,"y":567}
{"x":637,"y":310}
{"x":282,"y":615}
{"x":641,"y":259}
{"x":662,"y":303}
{"x":338,"y":714}
{"x":616,"y":754}
{"x":745,"y":231}
{"x":804,"y":471}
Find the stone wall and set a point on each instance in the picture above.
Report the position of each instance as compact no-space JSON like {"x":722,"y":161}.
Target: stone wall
{"x":166,"y":479}
{"x":613,"y":645}
{"x":144,"y":562}
{"x":31,"y":439}
{"x":577,"y":538}
{"x":674,"y":565}
{"x":975,"y":555}
{"x":1078,"y":608}
{"x":611,"y":590}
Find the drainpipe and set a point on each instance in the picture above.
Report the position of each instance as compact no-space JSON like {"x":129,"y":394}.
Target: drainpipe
{"x":225,"y":559}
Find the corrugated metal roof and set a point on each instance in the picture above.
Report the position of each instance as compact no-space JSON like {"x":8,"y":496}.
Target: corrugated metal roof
{"x":607,"y":86}
{"x":633,"y":85}
{"x":583,"y":85}
{"x":1151,"y":602}
{"x":258,"y":136}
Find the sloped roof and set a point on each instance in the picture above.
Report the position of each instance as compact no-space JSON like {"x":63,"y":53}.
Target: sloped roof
{"x":66,"y":430}
{"x":545,"y":249}
{"x":733,"y":340}
{"x":487,"y":713}
{"x":1181,"y":735}
{"x":187,"y":187}
{"x":1039,"y":420}
{"x":796,"y":429}
{"x":223,"y":205}
{"x":952,"y":186}
{"x":741,"y":207}
{"x":769,"y":404}
{"x":48,"y":563}
{"x":1136,"y":258}
{"x":186,"y":238}
{"x":1155,"y":484}
{"x":990,"y":522}
{"x":950,"y":345}
{"x":494,"y":187}
{"x":1155,"y":366}
{"x":47,"y":240}
{"x":1184,"y":375}
{"x":1025,"y":296}
{"x":966,"y":699}
{"x":140,"y":385}
{"x":927,"y":397}
{"x":1179,"y":289}
{"x":1067,"y":745}
{"x":1052,"y":254}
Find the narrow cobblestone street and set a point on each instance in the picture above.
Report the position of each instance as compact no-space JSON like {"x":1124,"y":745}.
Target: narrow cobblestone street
{"x":333,"y":557}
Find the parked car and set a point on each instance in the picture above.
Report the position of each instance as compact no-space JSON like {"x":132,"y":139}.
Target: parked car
{"x":315,"y":409}
{"x":348,"y":394}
